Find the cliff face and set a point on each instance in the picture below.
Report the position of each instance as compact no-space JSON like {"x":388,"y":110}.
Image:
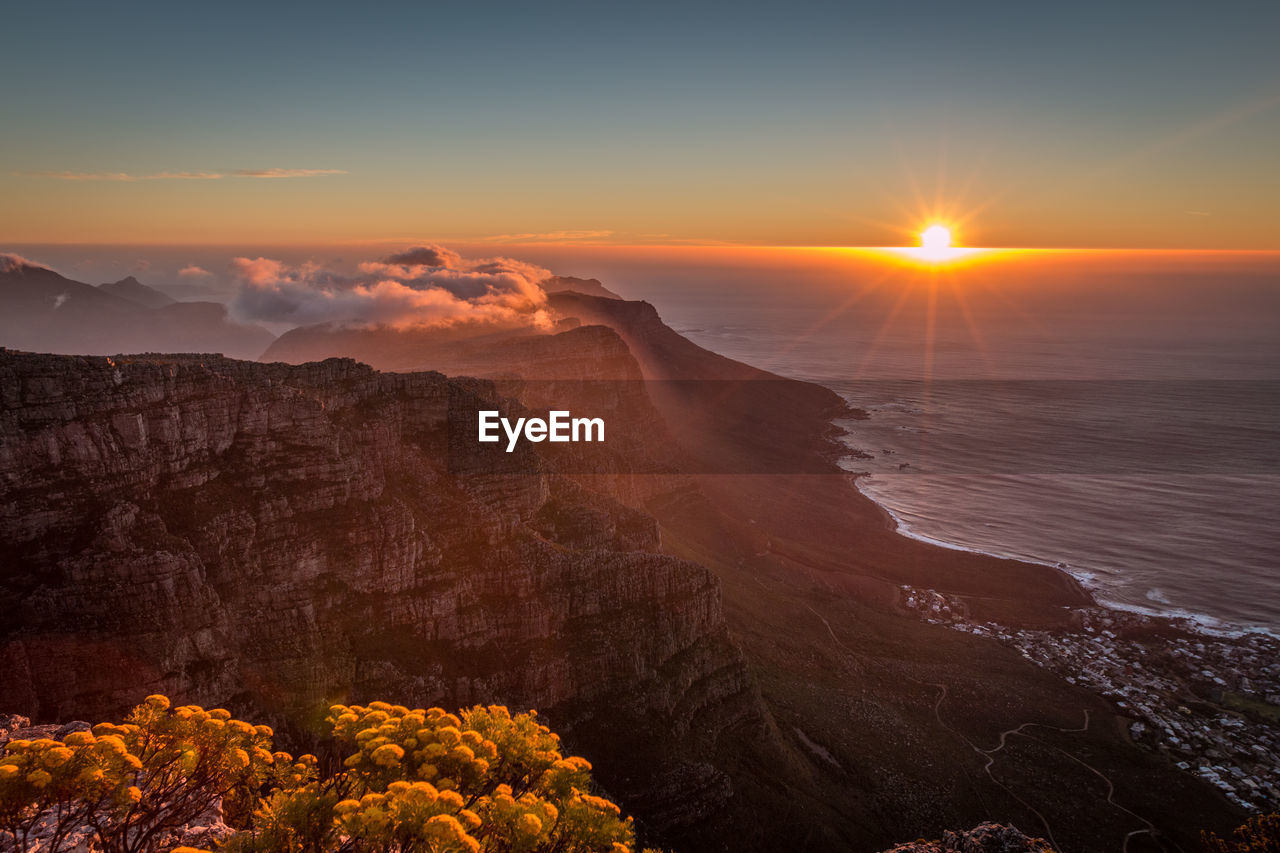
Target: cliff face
{"x":274,"y":538}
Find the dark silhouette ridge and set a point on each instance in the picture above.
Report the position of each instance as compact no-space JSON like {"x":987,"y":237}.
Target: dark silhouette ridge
{"x":43,"y":311}
{"x":131,"y":289}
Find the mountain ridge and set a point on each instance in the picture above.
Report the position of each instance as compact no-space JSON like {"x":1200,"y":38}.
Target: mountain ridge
{"x":43,"y":311}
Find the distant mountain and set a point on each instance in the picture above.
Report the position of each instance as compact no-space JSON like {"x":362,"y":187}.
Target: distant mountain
{"x":588,"y":286}
{"x":42,"y":311}
{"x":137,"y":292}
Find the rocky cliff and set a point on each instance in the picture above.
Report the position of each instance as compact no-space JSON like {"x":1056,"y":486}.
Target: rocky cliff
{"x":274,"y":538}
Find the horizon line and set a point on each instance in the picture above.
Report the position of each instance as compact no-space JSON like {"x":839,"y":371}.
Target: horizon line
{"x":480,"y":243}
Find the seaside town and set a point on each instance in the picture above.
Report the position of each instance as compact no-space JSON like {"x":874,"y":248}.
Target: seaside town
{"x":1209,"y":702}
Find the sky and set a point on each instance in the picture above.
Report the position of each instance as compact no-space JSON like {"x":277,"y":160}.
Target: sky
{"x":1122,"y":125}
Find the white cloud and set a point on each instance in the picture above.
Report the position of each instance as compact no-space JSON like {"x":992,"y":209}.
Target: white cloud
{"x":186,"y":176}
{"x":286,"y":173}
{"x":425,"y":286}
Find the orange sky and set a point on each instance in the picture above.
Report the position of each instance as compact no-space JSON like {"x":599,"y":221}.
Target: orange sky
{"x":1087,"y":125}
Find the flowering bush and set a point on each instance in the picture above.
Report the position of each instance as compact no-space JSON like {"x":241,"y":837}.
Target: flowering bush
{"x":413,"y":780}
{"x":484,"y":780}
{"x":129,"y":784}
{"x":1260,"y":834}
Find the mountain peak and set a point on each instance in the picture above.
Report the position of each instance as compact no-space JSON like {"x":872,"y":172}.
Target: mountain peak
{"x":134,"y":291}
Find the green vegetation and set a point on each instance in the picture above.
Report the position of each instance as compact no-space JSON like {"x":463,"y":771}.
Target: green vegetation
{"x":413,"y":780}
{"x":1260,"y":834}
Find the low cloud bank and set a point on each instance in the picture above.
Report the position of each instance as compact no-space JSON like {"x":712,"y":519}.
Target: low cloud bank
{"x":10,"y":262}
{"x":423,"y":286}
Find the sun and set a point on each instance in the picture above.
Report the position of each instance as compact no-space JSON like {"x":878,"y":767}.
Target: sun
{"x":937,"y":247}
{"x":935,"y":238}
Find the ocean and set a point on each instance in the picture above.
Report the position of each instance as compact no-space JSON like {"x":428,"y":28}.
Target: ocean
{"x":1121,"y":422}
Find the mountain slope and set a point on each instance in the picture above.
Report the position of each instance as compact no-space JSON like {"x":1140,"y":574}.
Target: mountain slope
{"x":276,"y":538}
{"x":136,"y":292}
{"x":42,"y":311}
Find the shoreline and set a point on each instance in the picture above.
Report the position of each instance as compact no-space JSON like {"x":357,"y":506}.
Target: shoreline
{"x":1185,"y":619}
{"x":1203,"y":696}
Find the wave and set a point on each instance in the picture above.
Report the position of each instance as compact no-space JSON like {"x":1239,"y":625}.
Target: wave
{"x":1194,"y":621}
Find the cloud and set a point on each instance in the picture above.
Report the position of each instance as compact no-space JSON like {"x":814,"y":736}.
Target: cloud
{"x":548,"y":237}
{"x":193,"y":271}
{"x":126,"y":176}
{"x":431,"y":256}
{"x":185,"y":176}
{"x":425,"y":286}
{"x":286,"y":173}
{"x":10,"y":262}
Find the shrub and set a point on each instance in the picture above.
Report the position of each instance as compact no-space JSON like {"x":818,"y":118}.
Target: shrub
{"x":412,"y":780}
{"x":128,"y":784}
{"x":1260,"y":834}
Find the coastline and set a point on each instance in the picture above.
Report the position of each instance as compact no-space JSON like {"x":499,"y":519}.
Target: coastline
{"x":1201,"y":693}
{"x":1090,"y":582}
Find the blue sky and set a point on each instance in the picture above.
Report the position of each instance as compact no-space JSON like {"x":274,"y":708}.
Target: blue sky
{"x":824,"y":123}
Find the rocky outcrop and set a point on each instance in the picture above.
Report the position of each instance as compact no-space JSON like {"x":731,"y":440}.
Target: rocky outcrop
{"x":986,"y":838}
{"x":274,"y":538}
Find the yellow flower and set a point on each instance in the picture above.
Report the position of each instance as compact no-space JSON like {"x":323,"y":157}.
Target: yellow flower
{"x":346,"y":807}
{"x":58,"y":756}
{"x":113,"y":744}
{"x":529,"y":824}
{"x":92,"y":775}
{"x":388,"y":755}
{"x":39,"y":778}
{"x":158,"y":702}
